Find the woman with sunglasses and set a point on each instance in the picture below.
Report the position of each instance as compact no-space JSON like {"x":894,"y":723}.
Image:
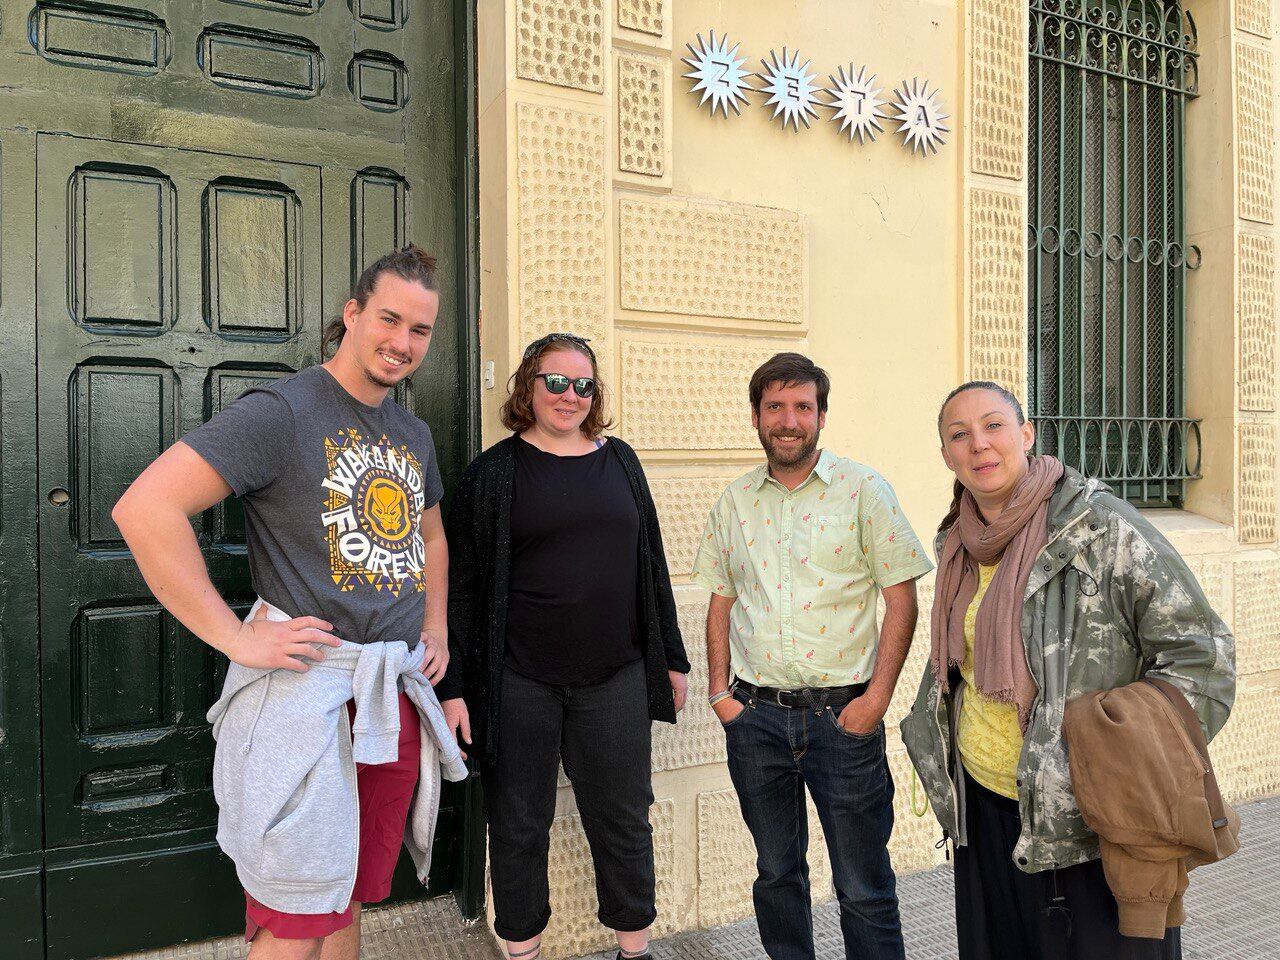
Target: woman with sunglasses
{"x":565,"y":643}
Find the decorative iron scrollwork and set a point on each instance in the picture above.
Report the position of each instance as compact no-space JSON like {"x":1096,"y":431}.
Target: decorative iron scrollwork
{"x":1150,"y":41}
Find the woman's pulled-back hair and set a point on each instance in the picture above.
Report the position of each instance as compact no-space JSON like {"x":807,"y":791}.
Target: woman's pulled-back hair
{"x":957,"y":492}
{"x":411,"y":263}
{"x":991,"y":385}
{"x":517,"y":409}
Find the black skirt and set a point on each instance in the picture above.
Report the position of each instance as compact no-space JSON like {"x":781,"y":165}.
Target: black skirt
{"x":1003,"y":913}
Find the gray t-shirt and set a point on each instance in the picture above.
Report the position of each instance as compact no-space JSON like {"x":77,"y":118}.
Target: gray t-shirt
{"x":333,"y":491}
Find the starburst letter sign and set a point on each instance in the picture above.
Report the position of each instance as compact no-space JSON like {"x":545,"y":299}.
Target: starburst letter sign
{"x":856,"y":101}
{"x":716,"y":70}
{"x":790,"y":87}
{"x":922,"y":122}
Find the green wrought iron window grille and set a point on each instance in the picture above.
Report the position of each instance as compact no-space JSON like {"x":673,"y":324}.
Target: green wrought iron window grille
{"x":1107,"y":249}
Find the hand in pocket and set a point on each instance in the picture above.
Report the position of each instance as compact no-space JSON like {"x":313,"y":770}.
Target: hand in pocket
{"x":729,"y":709}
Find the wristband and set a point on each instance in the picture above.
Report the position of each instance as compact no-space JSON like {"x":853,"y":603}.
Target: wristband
{"x":717,"y":697}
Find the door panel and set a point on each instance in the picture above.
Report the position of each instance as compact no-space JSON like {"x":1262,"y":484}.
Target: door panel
{"x":379,"y":198}
{"x":120,"y":419}
{"x":170,"y":281}
{"x":115,"y":284}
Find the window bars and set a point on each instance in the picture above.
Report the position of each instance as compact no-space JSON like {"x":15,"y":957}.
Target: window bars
{"x":1108,"y":257}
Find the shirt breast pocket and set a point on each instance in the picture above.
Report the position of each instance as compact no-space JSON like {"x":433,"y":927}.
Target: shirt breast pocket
{"x":835,"y":544}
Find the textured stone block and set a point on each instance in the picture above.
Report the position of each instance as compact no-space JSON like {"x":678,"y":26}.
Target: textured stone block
{"x":999,"y":95}
{"x":574,"y":928}
{"x":1246,"y":753}
{"x":712,"y":374}
{"x":711,"y":259}
{"x":911,"y":847}
{"x":1254,"y":16}
{"x":997,"y":297}
{"x":1256,"y":150}
{"x":684,"y":504}
{"x":645,"y":16}
{"x":1215,"y":575}
{"x":643,"y":95}
{"x":1257,"y":520}
{"x":561,"y":42}
{"x":697,"y":738}
{"x":563,"y":226}
{"x":917,"y":663}
{"x":1256,"y":266}
{"x":1257,"y":620}
{"x":727,"y":860}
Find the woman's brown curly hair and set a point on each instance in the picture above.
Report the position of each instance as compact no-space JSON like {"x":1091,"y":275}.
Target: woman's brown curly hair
{"x":517,"y":409}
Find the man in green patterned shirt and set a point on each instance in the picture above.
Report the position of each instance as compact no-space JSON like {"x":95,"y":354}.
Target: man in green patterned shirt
{"x":794,"y":555}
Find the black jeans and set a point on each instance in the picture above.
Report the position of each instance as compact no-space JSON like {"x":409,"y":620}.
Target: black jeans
{"x":1003,"y":913}
{"x":601,"y":733}
{"x":774,"y":754}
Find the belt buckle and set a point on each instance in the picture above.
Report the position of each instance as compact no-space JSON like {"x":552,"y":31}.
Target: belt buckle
{"x":777,"y":698}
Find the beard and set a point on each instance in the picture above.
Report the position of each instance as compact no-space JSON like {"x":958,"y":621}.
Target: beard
{"x":380,"y":379}
{"x":386,"y":384}
{"x":779,"y":456}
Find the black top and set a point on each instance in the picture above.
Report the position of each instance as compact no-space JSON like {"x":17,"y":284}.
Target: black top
{"x":479,"y":528}
{"x":575,"y":536}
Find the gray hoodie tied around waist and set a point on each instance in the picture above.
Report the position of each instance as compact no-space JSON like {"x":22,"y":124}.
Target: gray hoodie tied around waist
{"x":284,"y":774}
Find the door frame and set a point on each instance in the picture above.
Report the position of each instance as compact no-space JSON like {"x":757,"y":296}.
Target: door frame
{"x":21,"y":798}
{"x":469,"y":882}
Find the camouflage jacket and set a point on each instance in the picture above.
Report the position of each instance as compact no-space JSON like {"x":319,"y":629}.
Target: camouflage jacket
{"x":1109,"y":601}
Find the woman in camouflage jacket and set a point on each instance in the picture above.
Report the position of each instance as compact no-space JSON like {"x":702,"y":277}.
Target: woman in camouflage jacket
{"x":1106,"y":600}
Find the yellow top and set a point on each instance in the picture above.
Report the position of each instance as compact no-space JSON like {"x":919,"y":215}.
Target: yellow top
{"x":988,"y":734}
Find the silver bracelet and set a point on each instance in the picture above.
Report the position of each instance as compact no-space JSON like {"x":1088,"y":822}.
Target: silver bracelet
{"x":717,"y":697}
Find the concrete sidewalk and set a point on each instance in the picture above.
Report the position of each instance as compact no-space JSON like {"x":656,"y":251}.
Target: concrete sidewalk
{"x":426,"y":930}
{"x":1234,"y":910}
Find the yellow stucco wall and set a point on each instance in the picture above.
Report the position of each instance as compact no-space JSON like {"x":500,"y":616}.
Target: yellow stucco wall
{"x":690,"y":248}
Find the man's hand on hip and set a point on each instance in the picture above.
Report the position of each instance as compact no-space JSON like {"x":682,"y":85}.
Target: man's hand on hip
{"x":281,"y":644}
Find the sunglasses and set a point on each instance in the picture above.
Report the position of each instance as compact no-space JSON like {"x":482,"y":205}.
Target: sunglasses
{"x":558,"y":383}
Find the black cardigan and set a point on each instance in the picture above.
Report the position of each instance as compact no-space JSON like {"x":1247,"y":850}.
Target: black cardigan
{"x":479,"y":533}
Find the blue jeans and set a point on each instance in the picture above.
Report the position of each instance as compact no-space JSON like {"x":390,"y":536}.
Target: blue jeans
{"x":774,"y":753}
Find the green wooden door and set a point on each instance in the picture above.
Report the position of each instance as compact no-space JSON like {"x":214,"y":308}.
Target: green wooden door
{"x":187,"y":189}
{"x":128,"y":236}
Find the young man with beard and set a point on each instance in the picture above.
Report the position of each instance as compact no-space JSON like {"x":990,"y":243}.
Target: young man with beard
{"x":341,"y":495}
{"x":794,"y":555}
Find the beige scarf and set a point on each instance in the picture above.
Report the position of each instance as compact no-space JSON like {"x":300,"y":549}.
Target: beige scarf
{"x":1015,"y":539}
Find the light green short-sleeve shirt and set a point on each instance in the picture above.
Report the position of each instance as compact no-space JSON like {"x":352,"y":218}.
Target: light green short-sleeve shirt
{"x":806,"y":565}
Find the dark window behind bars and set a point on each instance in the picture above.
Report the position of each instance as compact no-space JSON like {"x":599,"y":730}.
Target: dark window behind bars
{"x":1108,"y":257}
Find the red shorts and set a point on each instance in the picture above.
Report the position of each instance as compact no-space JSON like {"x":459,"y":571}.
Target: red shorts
{"x":386,"y":790}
